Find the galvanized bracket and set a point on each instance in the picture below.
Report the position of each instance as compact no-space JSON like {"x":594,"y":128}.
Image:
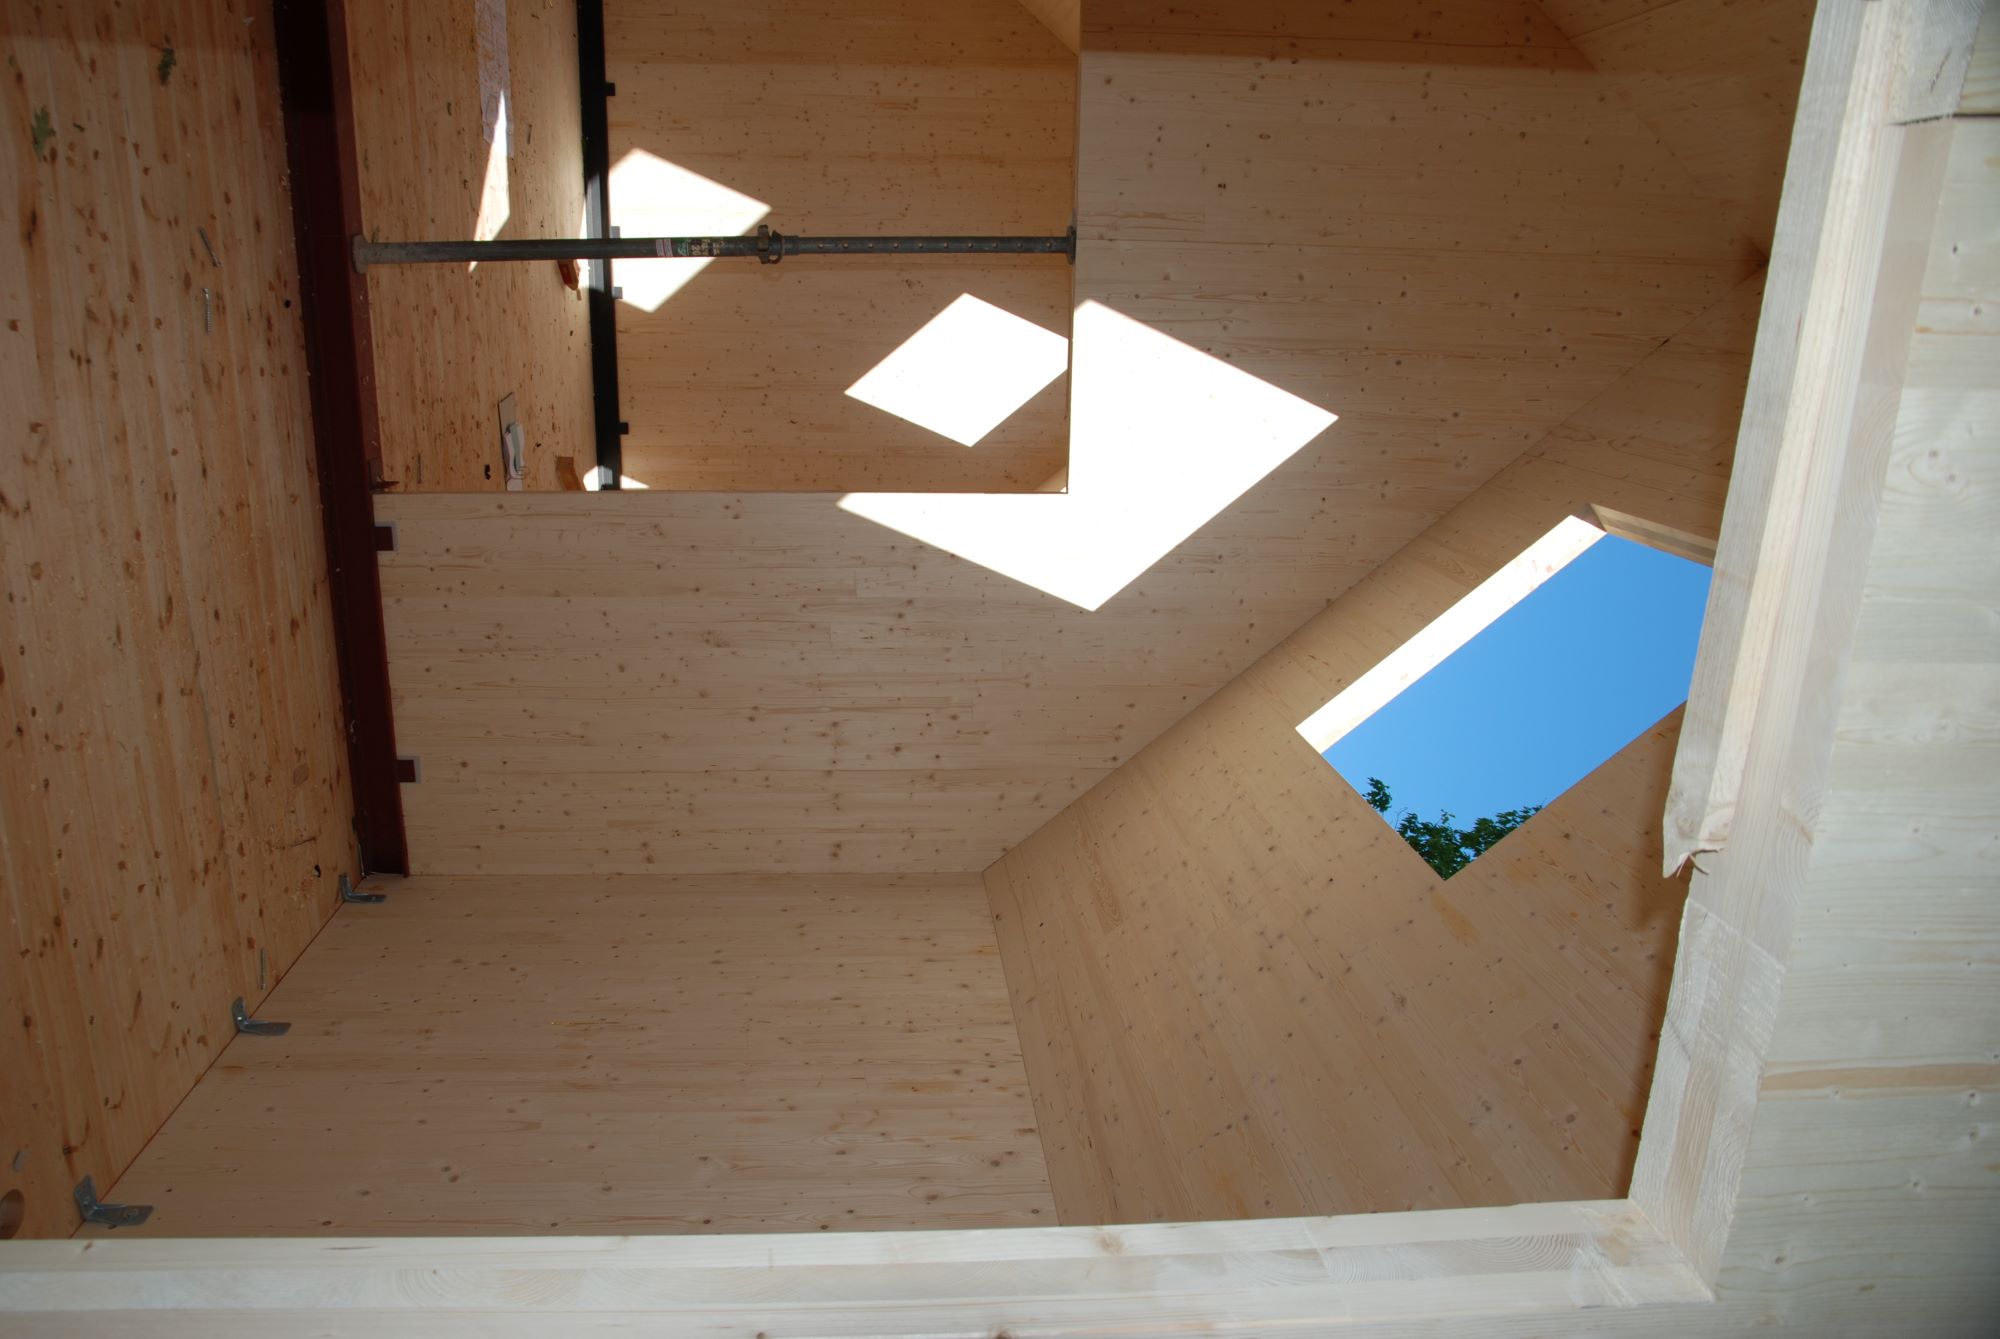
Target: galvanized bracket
{"x":349,"y":893}
{"x":95,"y":1210}
{"x":255,"y":1027}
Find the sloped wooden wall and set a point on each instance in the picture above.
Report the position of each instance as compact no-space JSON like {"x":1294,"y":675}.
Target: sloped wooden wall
{"x":1451,"y":240}
{"x":736,"y":1053}
{"x":1715,"y":79}
{"x":1241,"y":994}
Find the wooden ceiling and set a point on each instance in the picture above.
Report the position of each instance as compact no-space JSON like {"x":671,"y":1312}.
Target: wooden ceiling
{"x":1450,"y":237}
{"x":850,"y":117}
{"x":451,"y":340}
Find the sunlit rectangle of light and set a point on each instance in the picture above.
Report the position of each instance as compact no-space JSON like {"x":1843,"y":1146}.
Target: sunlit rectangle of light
{"x":651,"y":197}
{"x":1448,"y":631}
{"x":495,"y":201}
{"x":966,"y":371}
{"x":1162,"y":438}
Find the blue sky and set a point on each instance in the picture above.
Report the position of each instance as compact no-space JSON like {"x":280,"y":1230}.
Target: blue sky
{"x":1554,"y":687}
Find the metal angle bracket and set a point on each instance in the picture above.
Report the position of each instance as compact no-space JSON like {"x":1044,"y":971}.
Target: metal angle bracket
{"x":255,"y":1027}
{"x":95,"y":1210}
{"x":349,"y":893}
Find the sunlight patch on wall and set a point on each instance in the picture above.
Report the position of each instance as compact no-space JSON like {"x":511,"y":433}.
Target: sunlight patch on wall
{"x":652,"y":197}
{"x":966,"y":371}
{"x":1450,"y":630}
{"x":1162,"y":438}
{"x":494,"y":202}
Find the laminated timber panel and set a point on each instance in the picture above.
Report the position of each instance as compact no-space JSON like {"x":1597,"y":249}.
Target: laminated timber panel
{"x":451,"y":341}
{"x":1982,"y":78}
{"x":648,"y":682}
{"x":885,"y":116}
{"x":1064,"y":18}
{"x":1242,"y":994}
{"x":756,"y":682}
{"x":174,"y":801}
{"x":1717,"y":80}
{"x":1860,"y":1199}
{"x":734,"y":1054}
{"x":1504,"y":34}
{"x":1440,"y":230}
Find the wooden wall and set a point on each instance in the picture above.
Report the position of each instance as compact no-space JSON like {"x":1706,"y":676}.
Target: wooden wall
{"x":645,"y":1055}
{"x":1982,"y":77}
{"x":1242,"y":994}
{"x":1860,"y":1201}
{"x":174,"y":804}
{"x":724,"y":683}
{"x":1445,"y":231}
{"x":1717,"y":80}
{"x":886,"y":116}
{"x":1871,"y":1200}
{"x":1064,"y":18}
{"x":450,"y":343}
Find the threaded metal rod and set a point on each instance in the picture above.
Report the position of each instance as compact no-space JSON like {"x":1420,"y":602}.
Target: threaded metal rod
{"x":765,"y":245}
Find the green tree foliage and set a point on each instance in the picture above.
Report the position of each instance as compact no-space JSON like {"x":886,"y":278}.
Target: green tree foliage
{"x":1447,"y":847}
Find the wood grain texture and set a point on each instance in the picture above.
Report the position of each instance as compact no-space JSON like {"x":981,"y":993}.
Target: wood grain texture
{"x":450,"y":342}
{"x":1858,"y":201}
{"x":1869,"y":1197}
{"x":1450,"y":252}
{"x":724,"y":683}
{"x":1508,"y":1268}
{"x":1981,"y":95}
{"x":1509,"y":33}
{"x":889,"y":116}
{"x":174,"y":803}
{"x":1716,"y":80}
{"x":1864,"y":1203}
{"x":1241,"y":994}
{"x":621,"y":1055}
{"x":1064,"y":18}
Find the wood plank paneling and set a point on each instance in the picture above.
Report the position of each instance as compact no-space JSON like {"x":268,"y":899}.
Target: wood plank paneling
{"x":622,"y":1055}
{"x":451,"y":343}
{"x":724,"y":683}
{"x":888,"y":116}
{"x":1870,"y":1200}
{"x":174,"y":804}
{"x":1242,"y":994}
{"x":740,"y":380}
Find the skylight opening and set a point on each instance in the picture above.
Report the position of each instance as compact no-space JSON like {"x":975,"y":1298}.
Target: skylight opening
{"x":1520,"y":690}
